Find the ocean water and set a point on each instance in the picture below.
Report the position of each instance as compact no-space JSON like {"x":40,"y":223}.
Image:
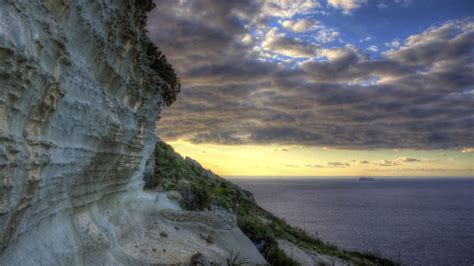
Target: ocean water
{"x":414,"y":221}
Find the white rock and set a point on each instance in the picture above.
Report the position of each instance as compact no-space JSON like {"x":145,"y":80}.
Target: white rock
{"x":77,"y":112}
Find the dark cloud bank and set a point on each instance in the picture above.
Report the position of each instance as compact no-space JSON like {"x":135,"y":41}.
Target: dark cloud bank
{"x":419,"y":95}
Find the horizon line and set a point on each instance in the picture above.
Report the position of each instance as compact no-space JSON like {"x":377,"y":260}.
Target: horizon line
{"x":345,"y":176}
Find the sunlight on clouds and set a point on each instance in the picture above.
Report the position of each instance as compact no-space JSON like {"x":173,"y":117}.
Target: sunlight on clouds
{"x":373,"y":48}
{"x":346,"y":5}
{"x":338,"y":53}
{"x":247,"y":39}
{"x":468,"y":150}
{"x":255,"y":73}
{"x":327,"y":36}
{"x":288,"y":8}
{"x":302,"y":25}
{"x":278,"y":42}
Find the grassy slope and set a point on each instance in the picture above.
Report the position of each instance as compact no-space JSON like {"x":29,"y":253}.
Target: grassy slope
{"x":200,"y":188}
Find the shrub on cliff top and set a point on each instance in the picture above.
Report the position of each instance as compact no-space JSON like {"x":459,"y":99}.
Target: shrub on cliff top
{"x":166,"y":71}
{"x":147,"y":5}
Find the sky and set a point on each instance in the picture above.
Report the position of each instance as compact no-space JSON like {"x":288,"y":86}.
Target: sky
{"x":321,"y":87}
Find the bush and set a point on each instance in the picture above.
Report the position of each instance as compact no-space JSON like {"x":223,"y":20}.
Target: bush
{"x":234,"y":260}
{"x":147,"y":5}
{"x":170,"y":168}
{"x":166,"y":71}
{"x":275,"y":256}
{"x":256,"y":230}
{"x":195,"y":197}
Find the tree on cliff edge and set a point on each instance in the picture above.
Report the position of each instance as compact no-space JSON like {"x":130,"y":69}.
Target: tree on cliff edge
{"x":166,"y":71}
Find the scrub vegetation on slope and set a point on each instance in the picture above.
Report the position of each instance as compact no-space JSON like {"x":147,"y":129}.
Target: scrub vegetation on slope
{"x":201,"y":189}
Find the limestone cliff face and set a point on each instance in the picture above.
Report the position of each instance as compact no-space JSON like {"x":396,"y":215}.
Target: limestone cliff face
{"x":78,"y":106}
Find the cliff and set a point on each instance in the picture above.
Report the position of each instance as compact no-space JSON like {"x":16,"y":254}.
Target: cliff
{"x":78,"y":106}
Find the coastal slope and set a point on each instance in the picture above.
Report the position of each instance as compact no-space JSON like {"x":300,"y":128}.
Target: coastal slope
{"x":200,"y":191}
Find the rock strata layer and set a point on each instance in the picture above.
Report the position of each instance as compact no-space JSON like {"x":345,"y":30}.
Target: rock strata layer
{"x":78,"y":106}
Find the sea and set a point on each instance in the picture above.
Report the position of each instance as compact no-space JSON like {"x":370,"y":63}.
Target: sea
{"x":415,"y":221}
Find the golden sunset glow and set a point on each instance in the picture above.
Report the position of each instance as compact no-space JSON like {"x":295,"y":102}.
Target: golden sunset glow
{"x":278,"y":160}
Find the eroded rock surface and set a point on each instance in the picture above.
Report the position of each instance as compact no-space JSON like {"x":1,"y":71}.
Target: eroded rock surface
{"x":78,"y":106}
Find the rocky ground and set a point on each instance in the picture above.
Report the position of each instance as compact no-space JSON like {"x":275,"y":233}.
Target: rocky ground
{"x":164,"y":234}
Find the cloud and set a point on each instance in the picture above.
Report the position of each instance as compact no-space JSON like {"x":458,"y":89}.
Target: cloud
{"x":401,"y":160}
{"x":407,"y":160}
{"x":388,"y":3}
{"x":404,"y":3}
{"x":387,"y":163}
{"x":417,"y":169}
{"x":294,"y":91}
{"x":329,"y":165}
{"x":393,"y":44}
{"x":277,"y":42}
{"x":323,"y":33}
{"x":361,"y":161}
{"x":314,"y":166}
{"x":288,"y":9}
{"x":449,"y":41}
{"x":337,"y":164}
{"x":300,"y":26}
{"x":327,"y":35}
{"x":467,"y":150}
{"x":347,"y":5}
{"x":247,"y":39}
{"x":373,"y":48}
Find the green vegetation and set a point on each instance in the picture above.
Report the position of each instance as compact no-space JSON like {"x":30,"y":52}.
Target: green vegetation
{"x":170,"y":90}
{"x":195,"y":197}
{"x":234,"y":260}
{"x":201,"y":188}
{"x":165,"y":70}
{"x":147,"y":5}
{"x":256,"y":230}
